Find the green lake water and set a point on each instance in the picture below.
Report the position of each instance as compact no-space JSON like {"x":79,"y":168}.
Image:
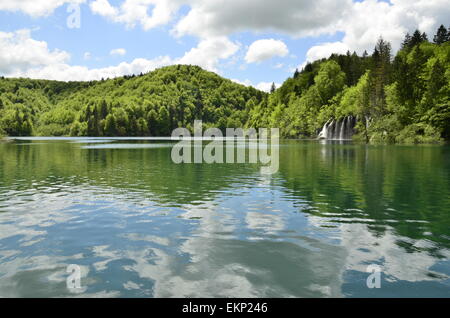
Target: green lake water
{"x":139,"y":225}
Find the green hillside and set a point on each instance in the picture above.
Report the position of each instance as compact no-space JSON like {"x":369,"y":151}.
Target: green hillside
{"x":401,"y":99}
{"x":145,"y":105}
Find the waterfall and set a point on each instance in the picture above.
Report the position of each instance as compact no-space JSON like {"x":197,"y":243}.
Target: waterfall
{"x":324,"y":132}
{"x":341,"y":129}
{"x":341,"y":134}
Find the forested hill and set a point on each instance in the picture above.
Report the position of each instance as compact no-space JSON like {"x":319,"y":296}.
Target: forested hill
{"x":398,"y":99}
{"x":144,"y":105}
{"x":395,"y":99}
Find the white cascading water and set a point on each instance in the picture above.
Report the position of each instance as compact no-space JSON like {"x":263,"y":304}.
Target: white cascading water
{"x":324,"y":132}
{"x":341,"y":133}
{"x":341,"y":129}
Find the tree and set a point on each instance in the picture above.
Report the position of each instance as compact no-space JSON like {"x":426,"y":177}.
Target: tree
{"x":416,"y":39}
{"x":416,"y":65}
{"x":110,"y":125}
{"x":356,"y":101}
{"x":400,"y":76}
{"x":75,"y":129}
{"x":407,"y":41}
{"x":164,"y":121}
{"x":442,"y":35}
{"x":122,"y":121}
{"x":152,"y":118}
{"x":103,"y":109}
{"x":329,"y":81}
{"x":308,"y":67}
{"x":381,"y":72}
{"x":272,"y":88}
{"x":408,"y":94}
{"x":436,"y":80}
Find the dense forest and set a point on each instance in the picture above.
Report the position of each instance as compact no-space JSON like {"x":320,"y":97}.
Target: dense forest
{"x":137,"y":105}
{"x":401,"y":99}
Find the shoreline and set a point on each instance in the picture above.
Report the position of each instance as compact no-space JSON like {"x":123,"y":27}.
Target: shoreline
{"x":5,"y":139}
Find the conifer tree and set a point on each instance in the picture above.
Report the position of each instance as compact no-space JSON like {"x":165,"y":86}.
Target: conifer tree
{"x":272,"y":88}
{"x":442,"y":35}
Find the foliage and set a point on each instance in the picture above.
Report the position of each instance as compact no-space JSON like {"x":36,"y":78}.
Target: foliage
{"x":405,"y":98}
{"x":419,"y":133}
{"x":146,"y":105}
{"x":400,"y":99}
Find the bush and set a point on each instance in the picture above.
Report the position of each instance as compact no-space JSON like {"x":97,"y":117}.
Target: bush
{"x":384,"y":130}
{"x":418,"y":134}
{"x":52,"y":130}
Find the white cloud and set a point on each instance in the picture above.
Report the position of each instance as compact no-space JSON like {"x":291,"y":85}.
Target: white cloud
{"x":262,"y":50}
{"x":361,"y":23}
{"x":370,"y":19}
{"x":207,"y":18}
{"x":323,"y":50}
{"x":263,"y":86}
{"x":66,"y":72}
{"x":119,"y":51}
{"x":209,"y":51}
{"x":19,"y":52}
{"x":246,"y":82}
{"x":295,"y":17}
{"x":34,"y":8}
{"x":103,"y":8}
{"x":22,"y":56}
{"x":266,"y":86}
{"x":221,"y":18}
{"x":133,"y":12}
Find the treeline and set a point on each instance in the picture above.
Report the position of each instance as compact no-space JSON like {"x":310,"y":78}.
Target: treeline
{"x":150,"y":104}
{"x":395,"y":99}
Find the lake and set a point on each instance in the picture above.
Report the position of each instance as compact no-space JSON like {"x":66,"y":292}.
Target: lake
{"x":139,"y":225}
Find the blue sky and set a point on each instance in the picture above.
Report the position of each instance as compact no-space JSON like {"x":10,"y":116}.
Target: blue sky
{"x":253,"y":42}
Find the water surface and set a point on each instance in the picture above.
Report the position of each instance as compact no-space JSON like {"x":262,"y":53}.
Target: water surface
{"x":142,"y":226}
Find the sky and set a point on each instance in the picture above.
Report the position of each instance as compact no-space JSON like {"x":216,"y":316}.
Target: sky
{"x":253,"y":42}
